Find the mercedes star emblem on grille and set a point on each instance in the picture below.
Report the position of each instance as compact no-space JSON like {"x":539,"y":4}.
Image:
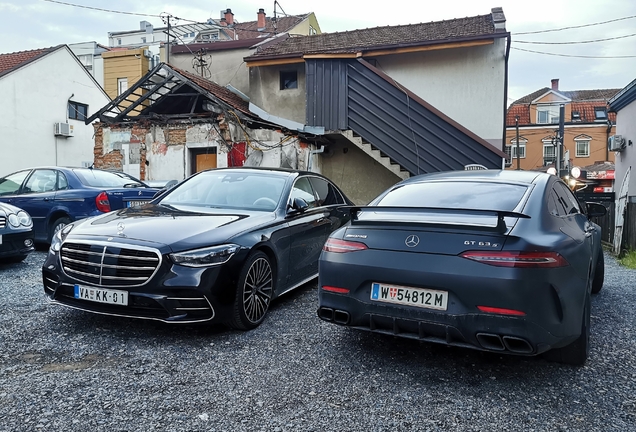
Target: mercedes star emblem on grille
{"x":412,"y":241}
{"x":120,"y":227}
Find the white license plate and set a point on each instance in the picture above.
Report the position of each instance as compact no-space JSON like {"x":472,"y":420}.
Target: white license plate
{"x":135,"y":203}
{"x":424,"y":298}
{"x":101,"y":295}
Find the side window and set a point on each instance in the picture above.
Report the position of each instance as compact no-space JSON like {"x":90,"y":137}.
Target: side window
{"x":11,"y":183}
{"x":554,"y":207}
{"x":302,"y":189}
{"x":43,"y":180}
{"x":569,"y":201}
{"x":62,"y":183}
{"x":327,"y":193}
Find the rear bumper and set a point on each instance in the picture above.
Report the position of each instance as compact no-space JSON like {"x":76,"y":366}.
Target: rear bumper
{"x":551,"y":300}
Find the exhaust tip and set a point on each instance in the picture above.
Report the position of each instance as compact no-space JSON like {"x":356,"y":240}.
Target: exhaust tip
{"x":490,"y":341}
{"x":341,"y":317}
{"x":326,"y":314}
{"x":517,"y":345}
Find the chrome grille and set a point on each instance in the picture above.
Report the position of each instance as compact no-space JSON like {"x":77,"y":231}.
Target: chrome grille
{"x":3,"y":221}
{"x":109,"y":264}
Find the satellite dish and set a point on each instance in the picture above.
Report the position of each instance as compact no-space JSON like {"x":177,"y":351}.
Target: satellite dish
{"x":254,"y":159}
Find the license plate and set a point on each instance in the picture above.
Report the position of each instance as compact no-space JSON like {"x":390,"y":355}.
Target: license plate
{"x":135,"y":203}
{"x":424,"y":298}
{"x":101,"y":295}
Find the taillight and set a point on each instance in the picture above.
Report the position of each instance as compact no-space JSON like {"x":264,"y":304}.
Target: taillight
{"x":335,"y":289}
{"x":517,"y":259}
{"x":342,"y":246}
{"x":102,"y":203}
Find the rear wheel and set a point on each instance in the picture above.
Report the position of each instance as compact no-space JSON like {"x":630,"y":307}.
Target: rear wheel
{"x":599,"y":274}
{"x":57,"y":225}
{"x":253,"y":292}
{"x":577,"y":352}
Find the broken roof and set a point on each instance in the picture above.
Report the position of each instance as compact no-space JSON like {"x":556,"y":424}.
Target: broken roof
{"x":460,"y":29}
{"x":13,"y":61}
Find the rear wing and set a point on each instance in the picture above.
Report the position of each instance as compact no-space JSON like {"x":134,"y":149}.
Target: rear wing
{"x":439,"y":216}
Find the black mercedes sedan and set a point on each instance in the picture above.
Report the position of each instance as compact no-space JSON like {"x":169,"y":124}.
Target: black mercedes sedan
{"x":501,"y":261}
{"x":218,"y":247}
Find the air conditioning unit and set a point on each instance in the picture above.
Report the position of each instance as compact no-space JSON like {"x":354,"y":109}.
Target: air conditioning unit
{"x":616,"y":143}
{"x":63,"y":129}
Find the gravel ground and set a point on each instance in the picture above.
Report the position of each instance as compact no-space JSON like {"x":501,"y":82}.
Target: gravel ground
{"x":62,"y":369}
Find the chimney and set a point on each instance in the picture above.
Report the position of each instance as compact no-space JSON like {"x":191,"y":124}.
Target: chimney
{"x":223,"y":22}
{"x":229,"y":17}
{"x":555,"y":84}
{"x":261,"y":19}
{"x":498,"y":19}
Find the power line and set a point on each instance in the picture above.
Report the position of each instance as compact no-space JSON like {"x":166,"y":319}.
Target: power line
{"x":102,"y":10}
{"x":572,"y":55}
{"x":575,"y":27}
{"x":571,"y":43}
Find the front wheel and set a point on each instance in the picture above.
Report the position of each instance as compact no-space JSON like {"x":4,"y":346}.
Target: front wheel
{"x":253,"y":292}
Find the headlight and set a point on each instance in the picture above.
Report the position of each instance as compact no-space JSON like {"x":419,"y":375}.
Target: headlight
{"x":14,"y":220}
{"x":58,"y":238}
{"x":24,"y":218}
{"x":205,"y":257}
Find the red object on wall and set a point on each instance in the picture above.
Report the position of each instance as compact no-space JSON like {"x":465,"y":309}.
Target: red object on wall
{"x":236,"y":156}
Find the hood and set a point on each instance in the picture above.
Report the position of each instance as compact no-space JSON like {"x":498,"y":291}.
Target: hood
{"x":179,"y":228}
{"x":7,"y":209}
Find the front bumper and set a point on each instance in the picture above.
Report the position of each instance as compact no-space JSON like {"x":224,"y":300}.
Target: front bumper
{"x":552,"y":301}
{"x":17,"y":244}
{"x":174,"y":294}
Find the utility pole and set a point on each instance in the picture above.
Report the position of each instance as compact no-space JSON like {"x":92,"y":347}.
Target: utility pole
{"x":168,"y":44}
{"x":517,"y":128}
{"x":559,"y":152}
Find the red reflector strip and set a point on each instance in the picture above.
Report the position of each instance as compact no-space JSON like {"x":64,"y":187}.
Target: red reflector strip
{"x":342,"y":246}
{"x":501,"y":311}
{"x":335,"y":289}
{"x":517,"y":259}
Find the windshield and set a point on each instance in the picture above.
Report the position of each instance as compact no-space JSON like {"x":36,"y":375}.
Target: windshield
{"x":229,"y":189}
{"x":106,"y":179}
{"x":456,"y":195}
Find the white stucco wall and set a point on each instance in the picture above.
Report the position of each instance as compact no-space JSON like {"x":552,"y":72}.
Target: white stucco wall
{"x":224,"y":67}
{"x":35,"y":97}
{"x":466,"y":84}
{"x":626,"y":126}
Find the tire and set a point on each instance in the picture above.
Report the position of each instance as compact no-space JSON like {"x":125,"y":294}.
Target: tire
{"x":254,"y":292}
{"x":577,"y":352}
{"x":57,"y":225}
{"x":599,"y":274}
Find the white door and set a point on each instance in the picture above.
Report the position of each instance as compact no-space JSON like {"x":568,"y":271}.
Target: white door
{"x":621,"y":204}
{"x":133,"y":169}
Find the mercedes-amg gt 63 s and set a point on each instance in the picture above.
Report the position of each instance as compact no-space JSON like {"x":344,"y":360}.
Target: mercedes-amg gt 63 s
{"x":217,"y":247}
{"x":502,"y":261}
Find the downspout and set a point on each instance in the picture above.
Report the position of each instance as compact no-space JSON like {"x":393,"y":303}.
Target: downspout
{"x":505,"y":105}
{"x":608,"y":130}
{"x":67,"y":102}
{"x":312,"y":153}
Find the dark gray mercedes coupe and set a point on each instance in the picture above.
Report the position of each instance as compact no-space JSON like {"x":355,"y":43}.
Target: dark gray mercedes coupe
{"x":502,"y":261}
{"x":219,"y":246}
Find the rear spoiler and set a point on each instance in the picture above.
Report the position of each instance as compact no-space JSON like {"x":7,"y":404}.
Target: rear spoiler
{"x":500,"y":214}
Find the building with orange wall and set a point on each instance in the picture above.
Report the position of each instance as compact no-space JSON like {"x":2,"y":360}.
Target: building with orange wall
{"x":588,"y":125}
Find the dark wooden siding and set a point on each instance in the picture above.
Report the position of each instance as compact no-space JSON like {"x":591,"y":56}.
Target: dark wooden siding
{"x":345,"y":94}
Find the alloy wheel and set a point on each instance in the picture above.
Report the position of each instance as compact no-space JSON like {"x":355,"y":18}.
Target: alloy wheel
{"x":257,"y":291}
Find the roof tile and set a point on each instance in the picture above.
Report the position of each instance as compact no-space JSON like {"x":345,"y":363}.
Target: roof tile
{"x":380,"y":37}
{"x":12,"y":61}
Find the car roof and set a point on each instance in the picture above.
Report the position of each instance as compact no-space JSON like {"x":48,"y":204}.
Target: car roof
{"x":282,"y":171}
{"x":489,"y":175}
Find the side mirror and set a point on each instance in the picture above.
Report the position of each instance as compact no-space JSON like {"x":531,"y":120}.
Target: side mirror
{"x":299,"y":205}
{"x":595,"y":209}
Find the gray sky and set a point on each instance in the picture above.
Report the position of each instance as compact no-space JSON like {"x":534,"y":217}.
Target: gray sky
{"x":29,"y":24}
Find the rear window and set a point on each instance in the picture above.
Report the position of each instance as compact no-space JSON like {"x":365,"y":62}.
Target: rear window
{"x":106,"y":179}
{"x":459,"y":195}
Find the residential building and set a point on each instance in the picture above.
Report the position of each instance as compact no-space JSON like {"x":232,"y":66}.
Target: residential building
{"x":123,"y":68}
{"x":623,"y":104}
{"x":185,"y":124}
{"x":90,"y":55}
{"x":42,"y":115}
{"x":587,"y":127}
{"x":383,"y":102}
